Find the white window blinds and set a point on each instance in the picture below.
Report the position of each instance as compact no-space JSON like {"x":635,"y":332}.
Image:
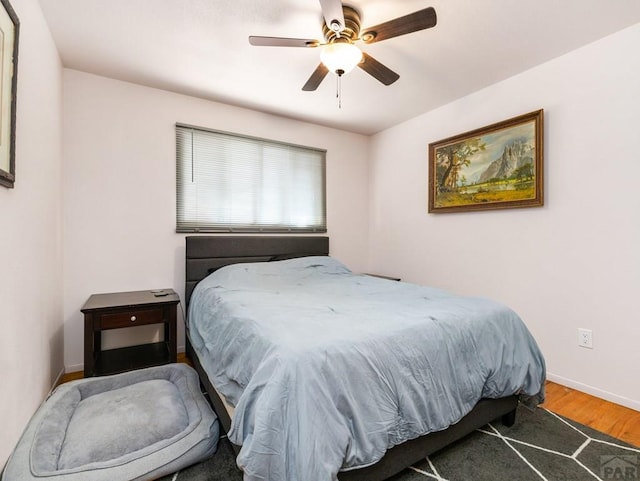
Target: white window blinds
{"x":228,"y":182}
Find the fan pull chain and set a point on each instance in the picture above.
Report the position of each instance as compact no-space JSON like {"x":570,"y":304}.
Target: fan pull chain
{"x":339,"y":87}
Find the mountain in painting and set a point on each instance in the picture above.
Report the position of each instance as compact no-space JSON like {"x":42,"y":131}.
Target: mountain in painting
{"x":516,"y":154}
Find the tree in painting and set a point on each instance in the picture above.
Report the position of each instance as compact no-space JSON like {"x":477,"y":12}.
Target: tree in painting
{"x":452,"y":158}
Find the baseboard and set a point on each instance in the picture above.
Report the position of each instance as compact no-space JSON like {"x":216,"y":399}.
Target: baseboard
{"x":608,"y":396}
{"x":56,"y":383}
{"x":73,"y":368}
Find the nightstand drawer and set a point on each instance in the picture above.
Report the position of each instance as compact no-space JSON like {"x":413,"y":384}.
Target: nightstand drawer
{"x":131,"y":318}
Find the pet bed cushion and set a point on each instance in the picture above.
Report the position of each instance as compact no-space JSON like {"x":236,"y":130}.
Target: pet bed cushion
{"x":138,"y":425}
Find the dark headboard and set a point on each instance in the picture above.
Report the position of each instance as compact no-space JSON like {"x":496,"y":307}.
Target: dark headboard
{"x":205,"y":254}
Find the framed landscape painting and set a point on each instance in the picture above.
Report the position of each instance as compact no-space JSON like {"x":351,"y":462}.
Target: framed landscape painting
{"x":499,"y":166}
{"x":9,"y":29}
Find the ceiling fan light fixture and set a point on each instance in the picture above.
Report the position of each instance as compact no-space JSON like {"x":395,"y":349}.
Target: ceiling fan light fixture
{"x":340,"y":57}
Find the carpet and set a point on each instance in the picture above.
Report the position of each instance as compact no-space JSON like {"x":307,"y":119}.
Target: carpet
{"x":540,"y":446}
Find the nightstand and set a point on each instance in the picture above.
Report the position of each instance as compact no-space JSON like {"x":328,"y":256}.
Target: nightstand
{"x":122,"y":310}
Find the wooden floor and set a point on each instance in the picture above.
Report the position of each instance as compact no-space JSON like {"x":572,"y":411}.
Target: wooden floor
{"x":617,"y":421}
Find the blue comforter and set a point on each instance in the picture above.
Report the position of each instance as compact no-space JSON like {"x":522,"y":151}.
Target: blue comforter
{"x":328,"y":369}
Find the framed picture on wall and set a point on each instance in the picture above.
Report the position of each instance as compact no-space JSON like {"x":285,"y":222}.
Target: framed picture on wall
{"x":499,"y":166}
{"x":9,"y":28}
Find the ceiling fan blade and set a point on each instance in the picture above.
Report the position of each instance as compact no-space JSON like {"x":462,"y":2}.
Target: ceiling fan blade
{"x":316,"y":78}
{"x":333,"y":14}
{"x":282,"y":42}
{"x":413,"y":22}
{"x":377,"y":70}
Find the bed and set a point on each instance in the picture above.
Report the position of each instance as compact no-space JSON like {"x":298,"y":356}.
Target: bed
{"x":365,"y":452}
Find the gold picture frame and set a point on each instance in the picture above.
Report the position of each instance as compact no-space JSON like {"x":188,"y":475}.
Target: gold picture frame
{"x":9,"y":30}
{"x":499,"y":166}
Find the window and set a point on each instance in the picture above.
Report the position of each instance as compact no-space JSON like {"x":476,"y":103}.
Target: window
{"x":228,"y":183}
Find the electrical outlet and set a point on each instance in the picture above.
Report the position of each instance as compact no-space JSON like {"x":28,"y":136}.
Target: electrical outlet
{"x":585,"y":338}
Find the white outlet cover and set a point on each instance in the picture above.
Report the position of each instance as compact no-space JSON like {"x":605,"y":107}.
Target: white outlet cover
{"x":585,"y":338}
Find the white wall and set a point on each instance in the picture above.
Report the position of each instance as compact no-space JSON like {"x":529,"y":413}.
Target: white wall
{"x":31,"y":337}
{"x":119,"y":189}
{"x":573,"y":263}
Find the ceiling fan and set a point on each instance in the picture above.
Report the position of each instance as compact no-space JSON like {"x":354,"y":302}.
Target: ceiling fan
{"x":341,"y":29}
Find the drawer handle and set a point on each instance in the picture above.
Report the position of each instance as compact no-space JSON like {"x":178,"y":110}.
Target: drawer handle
{"x":133,"y":318}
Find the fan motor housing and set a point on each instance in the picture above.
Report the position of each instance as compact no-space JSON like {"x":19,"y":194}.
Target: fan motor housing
{"x":351,"y":26}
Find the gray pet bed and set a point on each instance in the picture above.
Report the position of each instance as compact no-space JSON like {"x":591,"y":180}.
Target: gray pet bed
{"x":139,"y":425}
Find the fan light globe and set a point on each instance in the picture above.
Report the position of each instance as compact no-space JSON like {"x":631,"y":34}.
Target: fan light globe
{"x":340,"y":57}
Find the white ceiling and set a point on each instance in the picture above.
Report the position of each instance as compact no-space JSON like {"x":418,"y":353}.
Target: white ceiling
{"x":200,"y":48}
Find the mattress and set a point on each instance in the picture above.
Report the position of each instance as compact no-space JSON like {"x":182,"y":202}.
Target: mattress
{"x":328,"y":369}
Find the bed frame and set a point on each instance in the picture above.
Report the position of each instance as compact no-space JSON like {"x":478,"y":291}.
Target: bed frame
{"x":205,"y":254}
